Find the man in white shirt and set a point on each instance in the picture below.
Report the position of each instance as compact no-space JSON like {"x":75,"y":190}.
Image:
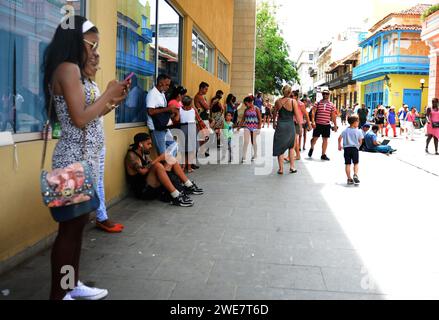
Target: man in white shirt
{"x":156,"y":106}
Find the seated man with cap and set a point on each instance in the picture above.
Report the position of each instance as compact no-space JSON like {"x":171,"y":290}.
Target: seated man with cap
{"x":149,"y":179}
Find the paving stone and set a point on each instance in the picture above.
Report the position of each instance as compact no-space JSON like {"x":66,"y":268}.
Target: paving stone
{"x":171,"y":248}
{"x":292,"y":239}
{"x":197,"y":231}
{"x":191,"y":291}
{"x":218,"y":251}
{"x":336,"y":258}
{"x":137,"y":289}
{"x":244,"y":236}
{"x":125,"y":266}
{"x":282,"y":276}
{"x":349,"y":280}
{"x":262,"y":293}
{"x":183,"y":270}
{"x":270,"y":254}
{"x":238,"y":273}
{"x":327,"y":240}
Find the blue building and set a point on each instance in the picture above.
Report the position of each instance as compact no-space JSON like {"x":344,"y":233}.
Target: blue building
{"x":393,"y":62}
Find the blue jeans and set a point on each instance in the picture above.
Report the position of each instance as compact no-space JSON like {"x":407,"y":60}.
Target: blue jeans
{"x":383,"y":149}
{"x":101,"y":212}
{"x":163,"y":140}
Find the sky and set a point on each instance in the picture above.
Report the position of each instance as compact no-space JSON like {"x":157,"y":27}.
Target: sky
{"x":307,"y":23}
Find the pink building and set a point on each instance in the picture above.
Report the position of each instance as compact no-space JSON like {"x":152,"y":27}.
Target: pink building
{"x":430,"y":34}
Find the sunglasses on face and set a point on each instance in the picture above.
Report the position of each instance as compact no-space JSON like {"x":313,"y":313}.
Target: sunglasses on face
{"x":94,"y":45}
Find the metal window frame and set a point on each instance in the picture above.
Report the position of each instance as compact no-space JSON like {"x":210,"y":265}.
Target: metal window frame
{"x":227,"y":65}
{"x":211,"y":48}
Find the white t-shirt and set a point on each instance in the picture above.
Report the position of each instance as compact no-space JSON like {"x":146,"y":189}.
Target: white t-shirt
{"x":187,"y":116}
{"x":154,"y":99}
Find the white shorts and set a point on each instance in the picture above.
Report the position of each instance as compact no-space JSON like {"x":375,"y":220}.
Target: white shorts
{"x":402,"y":123}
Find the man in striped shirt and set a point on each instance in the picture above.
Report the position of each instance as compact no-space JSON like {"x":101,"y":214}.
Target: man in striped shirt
{"x":322,"y":114}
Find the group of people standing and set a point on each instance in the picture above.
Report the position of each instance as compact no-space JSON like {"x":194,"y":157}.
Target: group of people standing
{"x":293,"y":119}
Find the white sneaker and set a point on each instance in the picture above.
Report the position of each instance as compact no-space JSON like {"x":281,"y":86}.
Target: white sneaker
{"x":68,"y":297}
{"x":82,"y":292}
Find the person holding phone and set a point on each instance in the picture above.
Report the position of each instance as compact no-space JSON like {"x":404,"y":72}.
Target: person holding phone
{"x":70,"y":63}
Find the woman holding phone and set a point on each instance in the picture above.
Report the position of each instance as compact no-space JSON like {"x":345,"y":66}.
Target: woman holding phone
{"x":70,"y":62}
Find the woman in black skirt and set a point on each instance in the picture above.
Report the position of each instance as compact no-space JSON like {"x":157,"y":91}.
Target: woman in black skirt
{"x":284,"y":136}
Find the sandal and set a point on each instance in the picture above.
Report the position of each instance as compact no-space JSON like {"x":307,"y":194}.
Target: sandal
{"x":293,"y":170}
{"x":280,"y":172}
{"x":117,"y":228}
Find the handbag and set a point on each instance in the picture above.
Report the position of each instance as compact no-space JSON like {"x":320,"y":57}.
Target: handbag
{"x":161,"y":121}
{"x":435,"y":124}
{"x":68,"y":192}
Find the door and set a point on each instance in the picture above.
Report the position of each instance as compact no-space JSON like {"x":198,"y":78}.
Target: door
{"x":412,"y":97}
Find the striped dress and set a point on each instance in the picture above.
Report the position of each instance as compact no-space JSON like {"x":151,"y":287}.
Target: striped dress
{"x":251,"y":121}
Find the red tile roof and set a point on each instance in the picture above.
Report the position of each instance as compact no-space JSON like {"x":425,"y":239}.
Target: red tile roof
{"x":402,"y":27}
{"x":418,"y":9}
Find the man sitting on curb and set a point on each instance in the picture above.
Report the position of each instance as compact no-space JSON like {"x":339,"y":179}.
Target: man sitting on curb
{"x":150,"y":179}
{"x":372,"y":145}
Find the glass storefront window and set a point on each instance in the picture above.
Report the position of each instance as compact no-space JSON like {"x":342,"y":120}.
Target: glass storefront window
{"x":26,"y":28}
{"x":136,"y":51}
{"x":170,"y":24}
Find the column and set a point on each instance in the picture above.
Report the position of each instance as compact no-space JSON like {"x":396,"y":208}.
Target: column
{"x":244,"y":48}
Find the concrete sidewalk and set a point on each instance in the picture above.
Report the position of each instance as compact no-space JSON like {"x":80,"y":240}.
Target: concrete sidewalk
{"x":302,"y":236}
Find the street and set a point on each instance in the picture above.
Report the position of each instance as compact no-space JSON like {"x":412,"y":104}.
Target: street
{"x":256,"y":236}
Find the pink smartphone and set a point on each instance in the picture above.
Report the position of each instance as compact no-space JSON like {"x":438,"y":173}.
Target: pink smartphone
{"x":129,"y":76}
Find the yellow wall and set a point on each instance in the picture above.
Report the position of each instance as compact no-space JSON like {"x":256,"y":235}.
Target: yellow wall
{"x":207,"y":22}
{"x":214,"y":19}
{"x":399,"y":82}
{"x":23,"y":219}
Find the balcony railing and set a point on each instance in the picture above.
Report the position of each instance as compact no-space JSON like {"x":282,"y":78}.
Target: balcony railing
{"x":147,"y":34}
{"x":130,"y":63}
{"x":341,"y":81}
{"x":391,"y":64}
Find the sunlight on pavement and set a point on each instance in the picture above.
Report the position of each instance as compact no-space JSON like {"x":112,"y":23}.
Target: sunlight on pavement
{"x":390,"y":220}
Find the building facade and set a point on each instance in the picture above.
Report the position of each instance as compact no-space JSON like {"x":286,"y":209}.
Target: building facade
{"x":344,"y":90}
{"x":393,"y":62}
{"x":304,"y":62}
{"x":197,"y":41}
{"x":430,"y":34}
